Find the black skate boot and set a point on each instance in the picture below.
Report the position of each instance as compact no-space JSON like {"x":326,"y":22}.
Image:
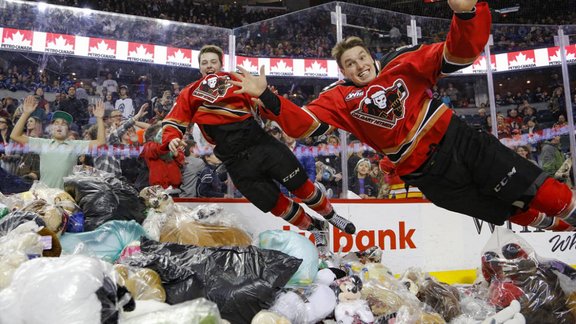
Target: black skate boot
{"x":342,"y":223}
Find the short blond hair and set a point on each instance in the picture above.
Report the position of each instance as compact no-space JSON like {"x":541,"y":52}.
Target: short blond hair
{"x":212,"y":49}
{"x":346,"y":44}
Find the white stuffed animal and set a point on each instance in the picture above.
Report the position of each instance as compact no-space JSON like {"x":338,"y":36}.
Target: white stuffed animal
{"x":350,"y":306}
{"x":320,"y":301}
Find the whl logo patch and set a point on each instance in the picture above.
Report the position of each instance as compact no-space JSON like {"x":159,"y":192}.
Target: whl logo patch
{"x":383,"y":106}
{"x":212,"y":87}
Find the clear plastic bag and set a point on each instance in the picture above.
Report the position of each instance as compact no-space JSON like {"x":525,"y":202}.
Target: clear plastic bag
{"x":70,"y":289}
{"x":514,"y":272}
{"x":197,"y":311}
{"x":142,"y":283}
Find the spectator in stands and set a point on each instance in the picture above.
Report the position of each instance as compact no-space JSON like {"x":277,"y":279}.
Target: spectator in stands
{"x":528,"y":112}
{"x":75,"y":107}
{"x":109,"y":102}
{"x":34,"y":127}
{"x":8,"y":160}
{"x":162,"y":106}
{"x":556,"y":103}
{"x":560,"y":123}
{"x":334,"y":161}
{"x":499,"y":100}
{"x":525,"y":152}
{"x":479,"y":120}
{"x":551,"y":156}
{"x":121,"y":136}
{"x":503,"y":128}
{"x":110,"y":84}
{"x":452,"y":92}
{"x":164,"y":167}
{"x":43,"y":105}
{"x":212,"y":179}
{"x":446,"y":99}
{"x":361,"y":183}
{"x":193,"y":166}
{"x":125,"y":104}
{"x":57,"y":154}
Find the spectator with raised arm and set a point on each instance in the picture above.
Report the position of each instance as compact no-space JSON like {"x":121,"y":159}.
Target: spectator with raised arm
{"x":58,"y":155}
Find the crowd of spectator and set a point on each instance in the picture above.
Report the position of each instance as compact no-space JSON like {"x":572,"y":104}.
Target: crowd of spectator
{"x":307,"y":33}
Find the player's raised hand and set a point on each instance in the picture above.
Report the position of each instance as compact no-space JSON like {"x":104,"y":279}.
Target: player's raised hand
{"x":462,"y":5}
{"x":253,"y":85}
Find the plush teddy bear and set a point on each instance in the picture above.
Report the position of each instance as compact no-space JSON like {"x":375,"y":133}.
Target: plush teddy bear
{"x":53,"y":217}
{"x":309,"y":304}
{"x":351,"y":307}
{"x":169,"y":222}
{"x":142,"y":283}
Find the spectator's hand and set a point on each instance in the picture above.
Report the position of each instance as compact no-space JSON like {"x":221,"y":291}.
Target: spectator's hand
{"x":99,"y":110}
{"x":30,"y":104}
{"x":338,"y":177}
{"x":175,"y":145}
{"x":253,"y":85}
{"x":461,"y":5}
{"x":142,"y":112}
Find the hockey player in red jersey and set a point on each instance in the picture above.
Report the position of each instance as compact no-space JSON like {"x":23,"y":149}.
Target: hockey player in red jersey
{"x":385,"y":104}
{"x":253,"y":158}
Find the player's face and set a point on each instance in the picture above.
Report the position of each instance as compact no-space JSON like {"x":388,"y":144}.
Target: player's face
{"x":209,"y":63}
{"x":358,"y":66}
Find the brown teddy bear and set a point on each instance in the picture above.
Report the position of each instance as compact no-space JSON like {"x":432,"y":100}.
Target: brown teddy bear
{"x":142,"y":283}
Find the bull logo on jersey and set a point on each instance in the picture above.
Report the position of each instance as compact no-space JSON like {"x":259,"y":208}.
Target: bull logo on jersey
{"x":212,"y":87}
{"x":383,"y":106}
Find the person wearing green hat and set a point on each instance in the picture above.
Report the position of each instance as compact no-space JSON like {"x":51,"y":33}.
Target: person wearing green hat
{"x":57,"y":154}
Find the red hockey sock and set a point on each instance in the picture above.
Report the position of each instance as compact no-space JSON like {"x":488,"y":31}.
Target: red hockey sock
{"x":315,"y":199}
{"x":553,"y":198}
{"x":291,"y":212}
{"x":534,"y":218}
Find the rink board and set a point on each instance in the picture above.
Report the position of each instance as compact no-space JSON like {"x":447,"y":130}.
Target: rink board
{"x":412,"y":234}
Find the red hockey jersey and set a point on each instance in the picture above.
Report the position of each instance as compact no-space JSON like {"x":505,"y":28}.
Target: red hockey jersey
{"x":393,"y":113}
{"x":208,"y":101}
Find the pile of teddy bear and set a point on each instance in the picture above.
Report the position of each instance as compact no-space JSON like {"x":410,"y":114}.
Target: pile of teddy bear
{"x":173,"y":264}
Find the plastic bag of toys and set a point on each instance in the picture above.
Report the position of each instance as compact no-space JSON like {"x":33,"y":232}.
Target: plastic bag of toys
{"x":443,"y":298}
{"x":514,"y":272}
{"x":103,"y":197}
{"x":241,"y":281}
{"x":197,"y":311}
{"x":142,"y":283}
{"x":205,"y":225}
{"x":297,"y":246}
{"x":105,"y":242}
{"x":70,"y":289}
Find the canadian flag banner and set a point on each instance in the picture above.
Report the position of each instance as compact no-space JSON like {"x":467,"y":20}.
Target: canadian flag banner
{"x":521,"y":60}
{"x":103,"y":48}
{"x":282,"y":66}
{"x":481,"y":64}
{"x":32,"y":41}
{"x":17,"y":39}
{"x":248,"y":63}
{"x":60,"y":43}
{"x":140,"y":52}
{"x":179,"y":57}
{"x":318,"y":68}
{"x":554,"y":56}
